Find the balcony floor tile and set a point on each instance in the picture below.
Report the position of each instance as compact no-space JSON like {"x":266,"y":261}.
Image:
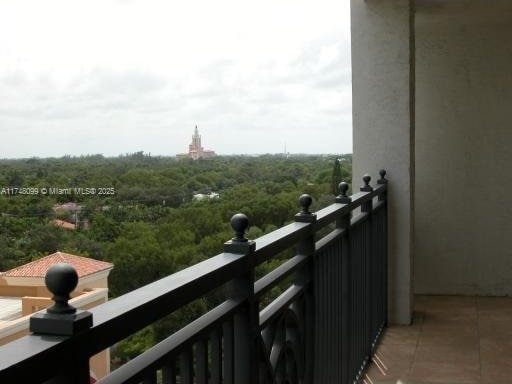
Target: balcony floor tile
{"x":453,"y":340}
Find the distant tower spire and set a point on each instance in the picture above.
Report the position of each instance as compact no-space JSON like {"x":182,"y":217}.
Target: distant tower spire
{"x":195,"y":149}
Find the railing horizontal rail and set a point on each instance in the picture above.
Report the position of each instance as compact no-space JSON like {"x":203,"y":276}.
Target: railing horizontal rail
{"x":279,"y":305}
{"x":359,"y":219}
{"x":279,"y":240}
{"x":378,"y":205}
{"x":274,"y":277}
{"x":326,"y":215}
{"x":328,"y":239}
{"x":20,"y":357}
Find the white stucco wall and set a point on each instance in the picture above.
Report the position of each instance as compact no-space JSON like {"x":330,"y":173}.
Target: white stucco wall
{"x":463,"y":132}
{"x":382,"y":128}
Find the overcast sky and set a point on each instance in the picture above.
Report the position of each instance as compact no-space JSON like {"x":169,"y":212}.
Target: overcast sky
{"x":114,"y":77}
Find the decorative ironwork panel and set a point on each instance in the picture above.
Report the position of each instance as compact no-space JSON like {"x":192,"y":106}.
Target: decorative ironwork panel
{"x":282,"y":345}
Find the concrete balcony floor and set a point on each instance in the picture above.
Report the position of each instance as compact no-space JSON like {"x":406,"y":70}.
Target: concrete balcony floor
{"x":453,"y":339}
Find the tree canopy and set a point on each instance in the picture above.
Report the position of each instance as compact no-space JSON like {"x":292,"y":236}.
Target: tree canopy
{"x":141,"y":215}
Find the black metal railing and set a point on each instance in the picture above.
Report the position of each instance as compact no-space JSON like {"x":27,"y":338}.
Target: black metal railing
{"x":322,"y":328}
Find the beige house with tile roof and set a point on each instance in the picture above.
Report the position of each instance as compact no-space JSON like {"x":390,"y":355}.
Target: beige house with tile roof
{"x":23,"y":292}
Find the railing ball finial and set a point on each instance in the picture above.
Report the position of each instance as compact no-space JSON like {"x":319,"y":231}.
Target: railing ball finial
{"x":366,"y":187}
{"x":305,"y":216}
{"x":61,"y":318}
{"x":239,"y":243}
{"x":343,"y":186}
{"x":342,"y":198}
{"x":305,"y":201}
{"x":239,"y":223}
{"x":382,"y":179}
{"x":60,"y":280}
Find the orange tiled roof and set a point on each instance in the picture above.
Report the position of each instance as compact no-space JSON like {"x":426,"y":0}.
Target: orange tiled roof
{"x":84,"y":266}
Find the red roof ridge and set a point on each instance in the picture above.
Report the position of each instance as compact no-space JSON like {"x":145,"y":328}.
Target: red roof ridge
{"x":84,"y":265}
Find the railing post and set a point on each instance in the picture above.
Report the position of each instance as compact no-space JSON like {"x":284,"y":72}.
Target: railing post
{"x":343,"y":223}
{"x":306,"y":277}
{"x":64,"y":320}
{"x":246,"y":322}
{"x":367,"y":207}
{"x":383,"y":197}
{"x":382,"y":180}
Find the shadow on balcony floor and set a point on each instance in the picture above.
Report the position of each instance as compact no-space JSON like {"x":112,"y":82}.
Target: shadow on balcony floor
{"x":453,"y":339}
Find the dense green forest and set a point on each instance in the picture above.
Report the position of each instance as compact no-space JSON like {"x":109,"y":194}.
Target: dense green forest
{"x":139,"y":212}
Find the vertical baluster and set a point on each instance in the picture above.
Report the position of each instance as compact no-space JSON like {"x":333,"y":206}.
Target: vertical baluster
{"x":351,"y":283}
{"x":386,"y":262}
{"x":356,"y":256}
{"x":360,"y":298}
{"x":186,"y":366}
{"x":229,"y":355}
{"x":338,"y":323}
{"x":315,"y":333}
{"x":150,"y":379}
{"x":336,"y":315}
{"x":365,"y":310}
{"x":308,"y":278}
{"x":216,"y":356}
{"x":378,"y":274}
{"x":169,"y":372}
{"x":333,"y":295}
{"x":339,"y":313}
{"x":201,"y":353}
{"x":368,"y":287}
{"x":323,"y":316}
{"x":360,"y":290}
{"x":362,"y":303}
{"x":368,"y":290}
{"x":357,"y":298}
{"x":343,"y":222}
{"x":323,"y":260}
{"x":375,"y":278}
{"x":382,"y":269}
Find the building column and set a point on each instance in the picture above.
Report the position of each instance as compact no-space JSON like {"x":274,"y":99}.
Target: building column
{"x":383,"y":127}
